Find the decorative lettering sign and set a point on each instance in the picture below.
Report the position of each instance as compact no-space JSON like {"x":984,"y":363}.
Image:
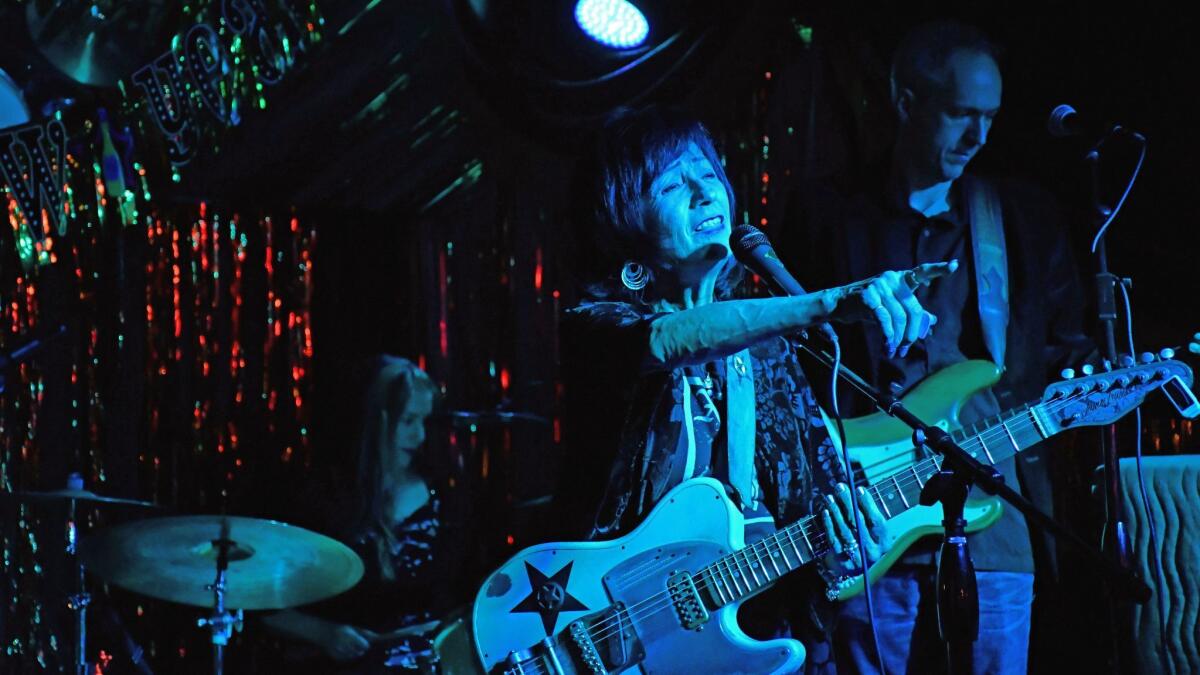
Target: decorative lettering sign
{"x":198,"y":75}
{"x":32,"y":165}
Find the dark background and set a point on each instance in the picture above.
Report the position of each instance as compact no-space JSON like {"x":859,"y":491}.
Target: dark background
{"x":430,"y":144}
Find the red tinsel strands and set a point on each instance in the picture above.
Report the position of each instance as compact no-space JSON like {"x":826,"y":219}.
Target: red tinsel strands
{"x":273,"y":327}
{"x":304,"y":241}
{"x":19,"y":469}
{"x":237,"y":361}
{"x":157,"y":267}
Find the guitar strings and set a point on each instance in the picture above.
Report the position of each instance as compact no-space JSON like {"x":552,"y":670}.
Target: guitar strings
{"x":1024,"y":423}
{"x":1020,"y":425}
{"x":815,"y":541}
{"x":599,"y":630}
{"x":861,"y":471}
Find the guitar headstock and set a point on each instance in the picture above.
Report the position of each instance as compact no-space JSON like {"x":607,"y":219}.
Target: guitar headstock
{"x":1103,"y":398}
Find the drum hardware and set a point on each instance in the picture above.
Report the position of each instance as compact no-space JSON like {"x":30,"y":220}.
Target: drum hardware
{"x":78,"y":601}
{"x":225,"y":563}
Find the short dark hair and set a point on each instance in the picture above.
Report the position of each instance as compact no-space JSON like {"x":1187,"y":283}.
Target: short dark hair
{"x":919,"y":62}
{"x":631,"y":150}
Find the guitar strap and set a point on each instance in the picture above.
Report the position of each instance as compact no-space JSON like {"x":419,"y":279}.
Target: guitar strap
{"x":740,"y":420}
{"x":991,"y":263}
{"x":739,"y":427}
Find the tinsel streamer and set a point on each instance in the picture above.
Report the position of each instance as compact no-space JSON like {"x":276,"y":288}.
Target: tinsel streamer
{"x":30,"y":641}
{"x":194,"y":302}
{"x":300,"y":328}
{"x":201,"y":279}
{"x":76,"y":248}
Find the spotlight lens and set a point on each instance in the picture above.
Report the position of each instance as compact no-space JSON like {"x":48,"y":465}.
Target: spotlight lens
{"x":613,"y":23}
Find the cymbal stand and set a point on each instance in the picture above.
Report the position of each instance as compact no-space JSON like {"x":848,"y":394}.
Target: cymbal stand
{"x":78,"y":601}
{"x":222,"y":623}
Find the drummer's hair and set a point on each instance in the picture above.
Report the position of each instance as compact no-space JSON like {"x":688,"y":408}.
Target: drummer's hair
{"x":391,"y":382}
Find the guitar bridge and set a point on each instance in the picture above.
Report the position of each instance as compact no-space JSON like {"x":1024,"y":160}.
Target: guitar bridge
{"x":578,"y":630}
{"x":686,"y":599}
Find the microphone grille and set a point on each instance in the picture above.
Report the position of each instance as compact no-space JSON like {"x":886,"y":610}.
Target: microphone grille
{"x":746,"y":238}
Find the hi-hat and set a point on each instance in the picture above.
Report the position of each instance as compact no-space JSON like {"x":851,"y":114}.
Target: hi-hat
{"x":495,"y":416}
{"x":77,"y":495}
{"x":271,"y":565}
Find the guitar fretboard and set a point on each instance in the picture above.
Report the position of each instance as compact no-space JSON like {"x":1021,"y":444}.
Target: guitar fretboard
{"x":990,"y":441}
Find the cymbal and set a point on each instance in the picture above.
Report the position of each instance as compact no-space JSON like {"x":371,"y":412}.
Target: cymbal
{"x":13,"y":109}
{"x":272,"y":565}
{"x":78,"y":495}
{"x":98,"y":42}
{"x":493,"y":417}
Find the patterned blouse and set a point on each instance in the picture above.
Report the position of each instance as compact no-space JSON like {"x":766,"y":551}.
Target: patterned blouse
{"x":611,"y":404}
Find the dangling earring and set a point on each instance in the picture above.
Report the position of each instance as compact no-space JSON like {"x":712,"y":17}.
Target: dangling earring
{"x":634,"y":275}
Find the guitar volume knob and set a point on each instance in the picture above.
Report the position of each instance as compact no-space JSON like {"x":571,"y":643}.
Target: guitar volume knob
{"x":1067,"y":373}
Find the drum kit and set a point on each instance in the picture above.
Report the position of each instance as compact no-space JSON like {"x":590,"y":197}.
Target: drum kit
{"x":224,"y":564}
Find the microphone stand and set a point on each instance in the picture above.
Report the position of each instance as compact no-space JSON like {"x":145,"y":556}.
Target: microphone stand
{"x":1115,"y":535}
{"x":1115,"y":539}
{"x":958,"y":602}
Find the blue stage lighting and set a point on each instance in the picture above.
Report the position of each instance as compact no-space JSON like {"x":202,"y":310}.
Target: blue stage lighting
{"x":613,"y":23}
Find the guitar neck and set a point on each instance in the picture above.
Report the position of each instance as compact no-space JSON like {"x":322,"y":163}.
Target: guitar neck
{"x":990,"y":441}
{"x":749,"y":570}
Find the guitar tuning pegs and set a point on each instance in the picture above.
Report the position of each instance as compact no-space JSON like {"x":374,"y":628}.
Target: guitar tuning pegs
{"x":1087,"y":369}
{"x":1067,"y":373}
{"x":1126,"y":361}
{"x":1147,"y":357}
{"x":1166,"y":354}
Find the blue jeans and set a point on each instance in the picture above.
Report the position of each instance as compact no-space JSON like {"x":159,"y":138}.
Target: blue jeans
{"x":905,"y":602}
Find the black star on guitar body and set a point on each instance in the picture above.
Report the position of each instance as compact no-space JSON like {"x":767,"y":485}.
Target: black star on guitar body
{"x":548,"y":596}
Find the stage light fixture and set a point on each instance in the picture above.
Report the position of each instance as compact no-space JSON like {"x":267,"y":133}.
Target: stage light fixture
{"x":614,"y":23}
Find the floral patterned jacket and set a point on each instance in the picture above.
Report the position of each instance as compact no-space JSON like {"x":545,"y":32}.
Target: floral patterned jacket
{"x":641,"y":415}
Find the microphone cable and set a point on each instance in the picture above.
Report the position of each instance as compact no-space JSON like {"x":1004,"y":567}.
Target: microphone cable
{"x":1153,"y":553}
{"x":1128,"y":187}
{"x":858,"y":521}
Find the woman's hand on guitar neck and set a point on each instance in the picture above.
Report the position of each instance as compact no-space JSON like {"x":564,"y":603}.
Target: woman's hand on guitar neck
{"x":843,"y":558}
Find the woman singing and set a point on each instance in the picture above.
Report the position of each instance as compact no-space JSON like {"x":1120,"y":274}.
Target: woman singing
{"x":669,"y":377}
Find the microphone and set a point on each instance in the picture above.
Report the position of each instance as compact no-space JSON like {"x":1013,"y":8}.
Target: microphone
{"x":752,"y":249}
{"x":1065,"y":121}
